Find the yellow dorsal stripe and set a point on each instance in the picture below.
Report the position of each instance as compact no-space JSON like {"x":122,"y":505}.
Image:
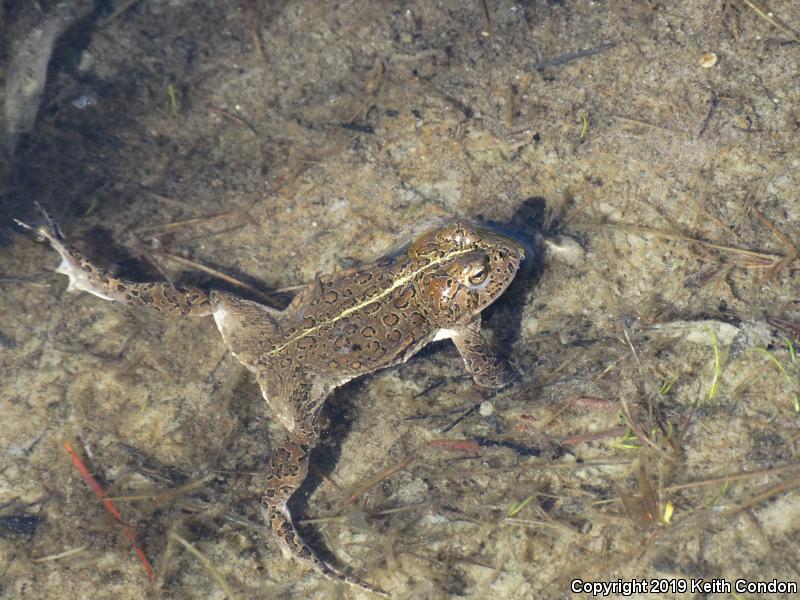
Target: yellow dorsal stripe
{"x":400,"y":282}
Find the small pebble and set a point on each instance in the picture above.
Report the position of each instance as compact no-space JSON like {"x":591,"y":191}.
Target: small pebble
{"x":487,"y":408}
{"x":84,"y":101}
{"x":708,"y":60}
{"x":565,"y":249}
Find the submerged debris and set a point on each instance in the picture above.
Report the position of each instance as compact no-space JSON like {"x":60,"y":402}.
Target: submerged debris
{"x":34,"y":37}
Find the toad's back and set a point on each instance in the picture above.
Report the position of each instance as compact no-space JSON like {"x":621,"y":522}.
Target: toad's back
{"x":355,"y":322}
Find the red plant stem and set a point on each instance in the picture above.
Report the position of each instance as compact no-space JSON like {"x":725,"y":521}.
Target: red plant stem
{"x":110,"y":507}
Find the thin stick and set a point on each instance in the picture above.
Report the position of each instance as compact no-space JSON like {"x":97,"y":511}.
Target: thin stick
{"x":766,"y":256}
{"x":381,"y":513}
{"x":122,"y":9}
{"x":33,"y":280}
{"x":109,"y":506}
{"x":254,"y":17}
{"x":184,"y":223}
{"x":634,"y":121}
{"x":588,"y":402}
{"x":236,"y":118}
{"x":487,"y":15}
{"x":767,"y":16}
{"x":159,"y":496}
{"x":637,"y":431}
{"x":473,"y":409}
{"x":220,"y":275}
{"x":569,"y":57}
{"x":215,"y":574}
{"x":630,"y":345}
{"x":761,"y":497}
{"x":388,"y":472}
{"x":457,"y":445}
{"x":212,"y":233}
{"x":714,"y":480}
{"x":60,"y":555}
{"x":592,"y":436}
{"x":373,"y":84}
{"x":788,"y":328}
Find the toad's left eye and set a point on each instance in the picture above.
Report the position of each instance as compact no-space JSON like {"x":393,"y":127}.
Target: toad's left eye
{"x":478,"y":275}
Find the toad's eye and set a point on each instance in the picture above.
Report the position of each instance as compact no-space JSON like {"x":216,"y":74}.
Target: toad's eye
{"x":478,"y":274}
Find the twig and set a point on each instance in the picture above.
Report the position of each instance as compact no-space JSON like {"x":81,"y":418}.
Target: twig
{"x":769,"y":18}
{"x":714,"y":480}
{"x":122,"y":9}
{"x":157,"y":229}
{"x":219,"y":274}
{"x":712,"y":389}
{"x":793,"y":250}
{"x":487,"y":15}
{"x":229,"y":115}
{"x":592,"y":436}
{"x":109,"y":506}
{"x":372,"y":515}
{"x":159,"y":497}
{"x":769,"y":258}
{"x":471,"y":410}
{"x":373,"y":85}
{"x":456,"y":445}
{"x":635,"y":121}
{"x":588,"y":402}
{"x":569,"y":57}
{"x":630,"y":345}
{"x":388,"y":472}
{"x":60,"y":555}
{"x":712,"y":105}
{"x":33,"y":280}
{"x":768,"y":493}
{"x":636,"y":429}
{"x":254,"y":18}
{"x":789,"y":328}
{"x":202,"y":236}
{"x":215,"y":574}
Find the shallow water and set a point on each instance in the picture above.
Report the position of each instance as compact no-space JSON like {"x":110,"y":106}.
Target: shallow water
{"x":322,"y":144}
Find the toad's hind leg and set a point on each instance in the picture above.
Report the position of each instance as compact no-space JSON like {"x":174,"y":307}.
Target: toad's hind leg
{"x":286,"y":471}
{"x":84,"y":275}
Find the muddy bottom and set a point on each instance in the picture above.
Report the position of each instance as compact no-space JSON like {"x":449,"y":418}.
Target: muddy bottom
{"x":651,"y":436}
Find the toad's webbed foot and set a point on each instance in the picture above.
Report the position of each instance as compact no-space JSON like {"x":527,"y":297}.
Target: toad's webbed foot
{"x":84,"y":275}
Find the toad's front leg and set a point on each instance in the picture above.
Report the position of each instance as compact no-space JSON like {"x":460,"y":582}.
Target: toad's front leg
{"x":84,"y":275}
{"x":486,"y":368}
